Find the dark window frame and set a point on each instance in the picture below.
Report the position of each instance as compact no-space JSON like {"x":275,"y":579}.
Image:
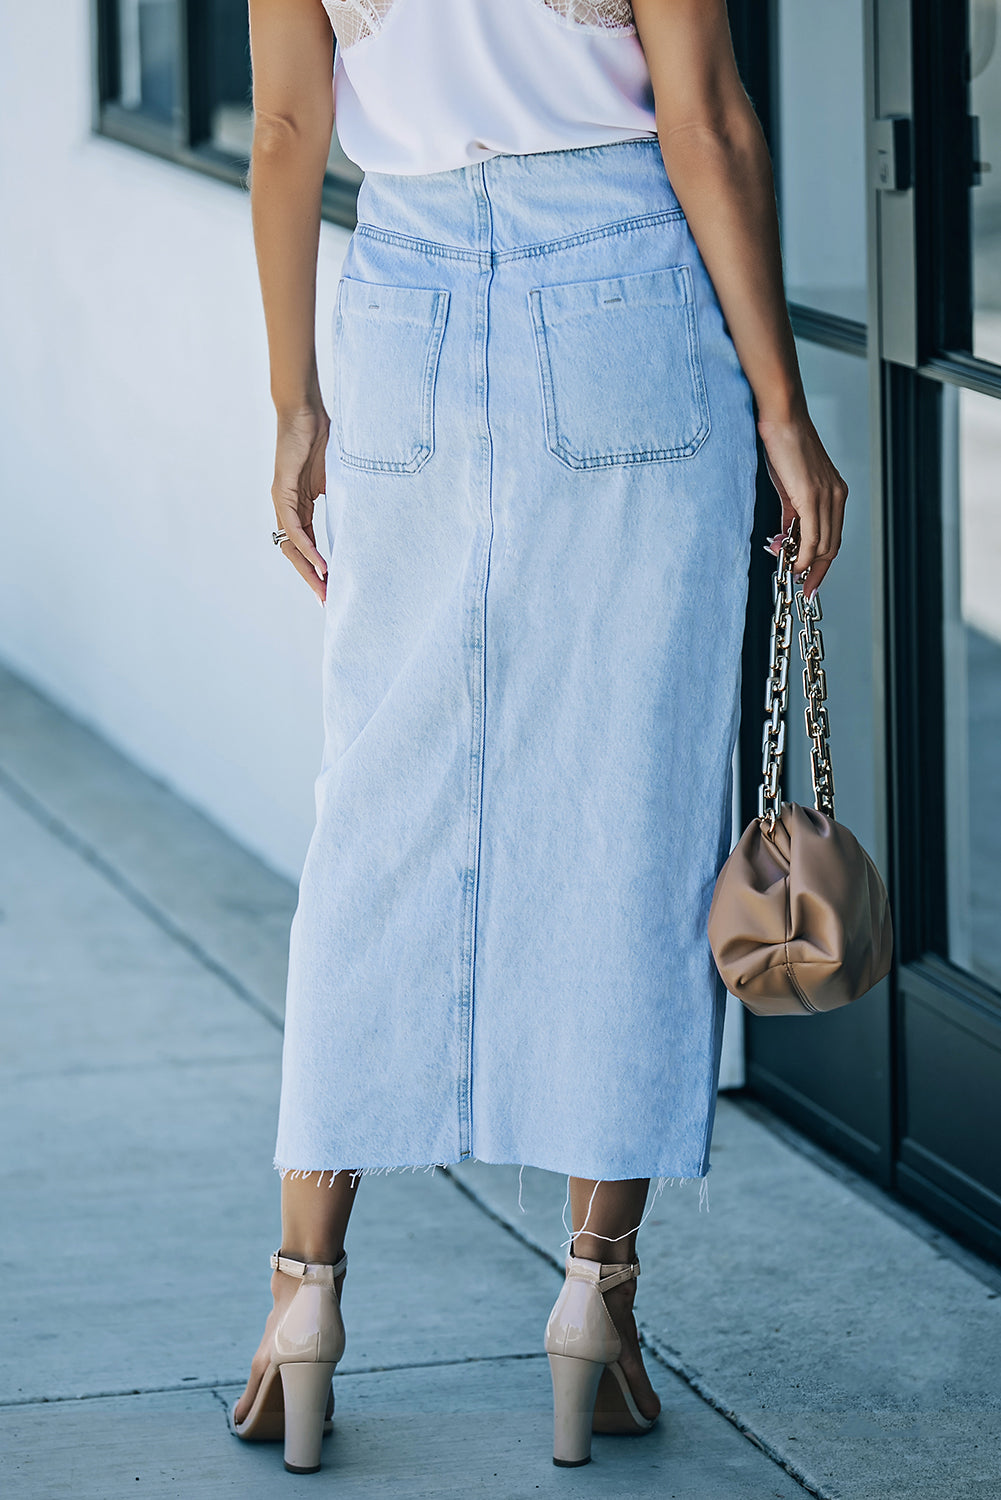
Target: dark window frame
{"x":946,"y":151}
{"x":184,"y":140}
{"x":943,"y":176}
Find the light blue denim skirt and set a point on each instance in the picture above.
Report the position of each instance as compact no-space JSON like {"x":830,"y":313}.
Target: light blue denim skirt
{"x":540,"y":487}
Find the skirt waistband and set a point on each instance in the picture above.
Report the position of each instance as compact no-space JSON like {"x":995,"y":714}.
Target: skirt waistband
{"x":512,"y":203}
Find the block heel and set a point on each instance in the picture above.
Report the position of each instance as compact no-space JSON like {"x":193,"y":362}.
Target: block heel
{"x":305,"y":1388}
{"x":590,"y":1390}
{"x":575,"y":1387}
{"x":295,"y":1400}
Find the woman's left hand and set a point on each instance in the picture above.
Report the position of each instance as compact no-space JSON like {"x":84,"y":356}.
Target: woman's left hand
{"x":300,"y":476}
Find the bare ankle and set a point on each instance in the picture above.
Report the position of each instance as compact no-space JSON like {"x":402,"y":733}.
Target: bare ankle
{"x":315,"y":1252}
{"x":610,"y":1252}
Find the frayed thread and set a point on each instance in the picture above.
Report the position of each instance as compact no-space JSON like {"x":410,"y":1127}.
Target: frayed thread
{"x":432,"y":1167}
{"x":662,"y":1182}
{"x":353,"y":1172}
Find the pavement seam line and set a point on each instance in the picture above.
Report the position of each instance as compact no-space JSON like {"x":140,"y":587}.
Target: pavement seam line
{"x":666,"y":1356}
{"x":221,"y":1385}
{"x":54,"y":825}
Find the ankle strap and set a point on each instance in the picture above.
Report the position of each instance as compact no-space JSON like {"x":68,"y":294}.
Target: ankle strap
{"x":618,"y":1274}
{"x":590,"y":1270}
{"x":280,"y":1262}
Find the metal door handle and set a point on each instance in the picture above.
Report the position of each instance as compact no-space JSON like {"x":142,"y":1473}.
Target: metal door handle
{"x":892,"y":146}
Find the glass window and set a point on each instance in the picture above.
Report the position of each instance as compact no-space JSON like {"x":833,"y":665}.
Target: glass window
{"x":201,"y":115}
{"x":821,"y":151}
{"x":837,"y":389}
{"x":985,"y":197}
{"x":227,"y":76}
{"x":147,"y":57}
{"x":971,"y":534}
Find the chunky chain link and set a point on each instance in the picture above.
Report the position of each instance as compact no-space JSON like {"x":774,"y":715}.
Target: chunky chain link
{"x":811,"y":646}
{"x":811,"y":649}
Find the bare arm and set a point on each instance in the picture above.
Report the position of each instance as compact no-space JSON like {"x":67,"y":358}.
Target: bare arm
{"x":292,"y":54}
{"x":717,"y":160}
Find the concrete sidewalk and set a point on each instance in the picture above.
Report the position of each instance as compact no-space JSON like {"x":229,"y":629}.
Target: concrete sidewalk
{"x":806,"y":1335}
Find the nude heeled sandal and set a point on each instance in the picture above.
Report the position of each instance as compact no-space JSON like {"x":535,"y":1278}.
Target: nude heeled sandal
{"x":295,"y":1400}
{"x":590,"y":1389}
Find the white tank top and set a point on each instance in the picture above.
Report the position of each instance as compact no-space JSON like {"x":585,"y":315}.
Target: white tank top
{"x":427,"y":85}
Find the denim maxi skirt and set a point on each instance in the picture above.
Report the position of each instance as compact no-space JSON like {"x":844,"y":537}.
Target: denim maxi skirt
{"x":540,"y":487}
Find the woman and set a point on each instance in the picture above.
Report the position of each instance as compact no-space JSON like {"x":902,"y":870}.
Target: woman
{"x":559,"y":323}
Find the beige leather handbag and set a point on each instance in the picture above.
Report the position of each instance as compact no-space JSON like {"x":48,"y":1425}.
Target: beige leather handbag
{"x":800,"y":919}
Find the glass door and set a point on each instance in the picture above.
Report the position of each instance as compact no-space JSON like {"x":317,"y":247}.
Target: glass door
{"x":942,"y":435}
{"x":831,"y":1076}
{"x":884,"y":118}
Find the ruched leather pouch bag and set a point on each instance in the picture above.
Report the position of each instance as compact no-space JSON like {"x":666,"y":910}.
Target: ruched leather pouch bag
{"x":800,"y":919}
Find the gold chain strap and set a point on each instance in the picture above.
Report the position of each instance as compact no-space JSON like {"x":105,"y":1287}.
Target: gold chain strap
{"x":811,"y":647}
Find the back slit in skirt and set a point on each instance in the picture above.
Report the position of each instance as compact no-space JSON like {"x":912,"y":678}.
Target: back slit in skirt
{"x":540,"y":493}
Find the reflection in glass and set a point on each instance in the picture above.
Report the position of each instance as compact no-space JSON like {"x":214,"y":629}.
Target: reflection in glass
{"x":985,"y":198}
{"x":228,"y":86}
{"x":837,"y":389}
{"x":822,"y":153}
{"x":971,"y":537}
{"x":147,"y":48}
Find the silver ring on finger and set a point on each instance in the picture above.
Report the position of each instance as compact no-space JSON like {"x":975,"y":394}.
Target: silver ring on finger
{"x":278,"y":537}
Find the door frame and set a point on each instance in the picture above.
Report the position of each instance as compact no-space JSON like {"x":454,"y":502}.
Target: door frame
{"x":916,"y":342}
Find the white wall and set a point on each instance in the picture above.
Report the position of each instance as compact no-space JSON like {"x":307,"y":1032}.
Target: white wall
{"x":138,"y":582}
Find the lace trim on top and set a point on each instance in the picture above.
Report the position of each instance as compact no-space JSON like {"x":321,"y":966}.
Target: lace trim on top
{"x":604,"y":15}
{"x":354,"y":20}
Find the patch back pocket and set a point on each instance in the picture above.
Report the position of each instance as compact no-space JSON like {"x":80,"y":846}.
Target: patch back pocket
{"x":621,"y":369}
{"x":387,"y":340}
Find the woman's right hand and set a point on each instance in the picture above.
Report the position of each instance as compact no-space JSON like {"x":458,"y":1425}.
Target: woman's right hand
{"x":810,"y":487}
{"x":300,"y":464}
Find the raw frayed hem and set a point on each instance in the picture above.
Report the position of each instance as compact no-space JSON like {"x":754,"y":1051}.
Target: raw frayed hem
{"x":353,"y":1172}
